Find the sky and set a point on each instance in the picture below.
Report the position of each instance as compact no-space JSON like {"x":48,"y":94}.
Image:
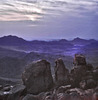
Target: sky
{"x":49,"y":19}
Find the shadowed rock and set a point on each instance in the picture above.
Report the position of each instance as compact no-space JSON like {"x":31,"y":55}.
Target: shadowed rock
{"x":37,"y":77}
{"x":30,"y":97}
{"x":61,"y":73}
{"x":16,"y":92}
{"x":79,"y":59}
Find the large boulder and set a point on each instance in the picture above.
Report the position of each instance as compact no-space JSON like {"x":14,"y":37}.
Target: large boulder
{"x":37,"y":77}
{"x":61,"y":73}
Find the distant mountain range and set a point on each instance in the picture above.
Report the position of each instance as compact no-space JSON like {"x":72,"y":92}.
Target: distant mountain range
{"x":16,"y":52}
{"x":82,"y":41}
{"x":16,"y":41}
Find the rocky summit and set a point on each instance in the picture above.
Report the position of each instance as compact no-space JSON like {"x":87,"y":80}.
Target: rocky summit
{"x":81,"y":83}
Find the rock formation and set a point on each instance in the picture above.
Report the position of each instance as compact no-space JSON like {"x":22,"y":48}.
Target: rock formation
{"x":37,"y":77}
{"x":80,"y":84}
{"x":82,"y":74}
{"x":61,"y":73}
{"x":79,"y":59}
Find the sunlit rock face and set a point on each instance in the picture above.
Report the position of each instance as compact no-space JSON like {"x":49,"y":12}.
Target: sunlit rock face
{"x":37,"y":77}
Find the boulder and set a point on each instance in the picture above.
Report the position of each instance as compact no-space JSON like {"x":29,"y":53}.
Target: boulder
{"x":79,"y":59}
{"x":63,"y":96}
{"x":1,"y":87}
{"x":16,"y":92}
{"x":63,"y":89}
{"x":61,"y":73}
{"x":90,"y":84}
{"x":30,"y":97}
{"x":75,"y":96}
{"x":83,"y":84}
{"x":95,"y":96}
{"x":49,"y":97}
{"x":37,"y":77}
{"x":5,"y":92}
{"x":95,"y":74}
{"x":75,"y":90}
{"x":3,"y":95}
{"x":80,"y":70}
{"x":89,"y":67}
{"x":6,"y":88}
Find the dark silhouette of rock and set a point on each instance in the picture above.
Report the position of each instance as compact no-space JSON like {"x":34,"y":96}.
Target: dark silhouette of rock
{"x":37,"y":77}
{"x":79,"y":60}
{"x":61,"y":73}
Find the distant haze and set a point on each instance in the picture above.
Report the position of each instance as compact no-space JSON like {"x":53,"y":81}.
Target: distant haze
{"x":49,"y":19}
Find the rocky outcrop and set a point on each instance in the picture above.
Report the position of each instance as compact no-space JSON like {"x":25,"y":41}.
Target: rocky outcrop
{"x":79,"y":59}
{"x":12,"y":92}
{"x":80,"y":84}
{"x":37,"y":77}
{"x":16,"y":92}
{"x":30,"y":97}
{"x":83,"y":75}
{"x":61,"y":73}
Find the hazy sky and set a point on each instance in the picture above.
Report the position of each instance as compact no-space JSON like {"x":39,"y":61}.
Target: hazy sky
{"x":49,"y":19}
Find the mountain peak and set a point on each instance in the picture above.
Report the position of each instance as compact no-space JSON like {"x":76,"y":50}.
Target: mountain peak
{"x":10,"y":37}
{"x":63,"y":40}
{"x":11,"y":40}
{"x":77,"y":38}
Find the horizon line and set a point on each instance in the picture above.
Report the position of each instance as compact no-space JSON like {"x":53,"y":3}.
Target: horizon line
{"x":50,"y":39}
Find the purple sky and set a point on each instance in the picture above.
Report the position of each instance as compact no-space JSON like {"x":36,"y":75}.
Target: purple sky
{"x":49,"y":19}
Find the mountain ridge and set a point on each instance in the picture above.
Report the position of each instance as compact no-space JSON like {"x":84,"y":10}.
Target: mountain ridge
{"x":60,"y":40}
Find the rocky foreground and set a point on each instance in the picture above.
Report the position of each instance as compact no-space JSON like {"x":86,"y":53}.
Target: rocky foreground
{"x":81,"y":83}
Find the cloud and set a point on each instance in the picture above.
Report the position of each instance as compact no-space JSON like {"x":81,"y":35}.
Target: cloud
{"x":18,"y":10}
{"x":11,"y":10}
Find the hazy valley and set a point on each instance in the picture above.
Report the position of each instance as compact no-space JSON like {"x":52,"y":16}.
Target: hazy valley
{"x":16,"y":53}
